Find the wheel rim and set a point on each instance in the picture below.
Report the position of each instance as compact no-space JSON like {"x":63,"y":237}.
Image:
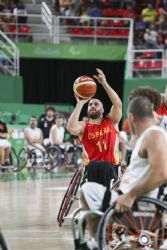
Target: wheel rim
{"x":22,"y":159}
{"x":137,"y":229}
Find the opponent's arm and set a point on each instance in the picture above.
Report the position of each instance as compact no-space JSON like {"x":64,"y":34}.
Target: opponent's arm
{"x":157,"y":173}
{"x":74,"y":126}
{"x":115,"y":113}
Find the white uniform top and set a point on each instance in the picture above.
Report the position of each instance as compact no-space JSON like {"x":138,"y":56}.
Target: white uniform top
{"x":34,"y":133}
{"x":59,"y":134}
{"x":163,"y":123}
{"x":138,"y":166}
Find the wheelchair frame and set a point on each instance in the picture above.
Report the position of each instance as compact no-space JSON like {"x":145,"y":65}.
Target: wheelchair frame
{"x":70,"y":196}
{"x":14,"y":163}
{"x":79,"y":241}
{"x":3,"y":242}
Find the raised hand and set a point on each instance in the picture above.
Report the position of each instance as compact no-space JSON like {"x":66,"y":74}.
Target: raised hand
{"x":100,"y":77}
{"x":80,"y":100}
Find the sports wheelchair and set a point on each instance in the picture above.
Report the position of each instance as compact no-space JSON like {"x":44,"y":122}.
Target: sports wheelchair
{"x":53,"y":158}
{"x":59,"y":155}
{"x":70,"y":195}
{"x":35,"y":159}
{"x":143,"y":227}
{"x":13,"y":163}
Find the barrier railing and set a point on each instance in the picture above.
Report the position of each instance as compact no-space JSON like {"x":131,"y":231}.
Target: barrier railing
{"x":46,"y":16}
{"x":146,"y":63}
{"x":60,"y":29}
{"x":92,"y":30}
{"x":9,"y":56}
{"x":25,"y":28}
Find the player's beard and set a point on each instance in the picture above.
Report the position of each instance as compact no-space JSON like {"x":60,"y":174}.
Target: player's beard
{"x":94,"y":115}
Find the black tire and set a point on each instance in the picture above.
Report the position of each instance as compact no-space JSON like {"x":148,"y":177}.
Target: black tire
{"x":54,"y":156}
{"x":22,"y":159}
{"x":14,"y":159}
{"x":124,"y":219}
{"x":69,"y":196}
{"x":3,"y":243}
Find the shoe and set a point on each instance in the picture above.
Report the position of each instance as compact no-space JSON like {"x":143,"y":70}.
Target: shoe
{"x":92,"y":244}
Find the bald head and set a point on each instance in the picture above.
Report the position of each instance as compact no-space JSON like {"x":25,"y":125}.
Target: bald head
{"x":141,"y":107}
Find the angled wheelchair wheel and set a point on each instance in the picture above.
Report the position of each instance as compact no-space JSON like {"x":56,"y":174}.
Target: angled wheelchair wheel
{"x":143,"y":227}
{"x":3,"y":243}
{"x":22,"y":158}
{"x":69,"y":196}
{"x":13,"y":158}
{"x":54,"y":156}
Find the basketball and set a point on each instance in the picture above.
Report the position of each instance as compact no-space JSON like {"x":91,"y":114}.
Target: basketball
{"x":84,"y":87}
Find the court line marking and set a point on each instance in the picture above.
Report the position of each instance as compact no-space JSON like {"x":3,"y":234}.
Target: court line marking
{"x":57,"y":188}
{"x":24,"y":231}
{"x":64,"y":238}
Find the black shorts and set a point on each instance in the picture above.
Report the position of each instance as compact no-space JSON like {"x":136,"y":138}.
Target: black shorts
{"x":101,"y":172}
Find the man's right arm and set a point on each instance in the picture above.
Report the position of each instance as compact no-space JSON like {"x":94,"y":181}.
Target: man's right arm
{"x":74,"y":126}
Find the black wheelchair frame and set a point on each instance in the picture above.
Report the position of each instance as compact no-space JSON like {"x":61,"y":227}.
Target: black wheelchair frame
{"x":70,"y":195}
{"x":3,"y":242}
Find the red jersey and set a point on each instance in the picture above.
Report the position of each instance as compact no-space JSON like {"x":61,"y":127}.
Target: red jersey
{"x":162,"y":110}
{"x":100,"y":141}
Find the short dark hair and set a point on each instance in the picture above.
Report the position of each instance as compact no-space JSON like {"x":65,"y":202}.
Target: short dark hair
{"x":141,"y":107}
{"x":33,"y":116}
{"x":151,"y":93}
{"x":59,"y":116}
{"x":50,"y":108}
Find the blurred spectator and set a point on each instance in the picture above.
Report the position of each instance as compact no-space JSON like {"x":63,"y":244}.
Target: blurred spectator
{"x":33,"y":142}
{"x":151,"y":38}
{"x":5,"y":146}
{"x":127,"y":3}
{"x":149,"y":13}
{"x":69,"y":11}
{"x":46,"y":121}
{"x":162,"y":110}
{"x":94,"y":12}
{"x":33,"y":136}
{"x":163,"y":27}
{"x":56,"y":137}
{"x":57,"y":131}
{"x":85,"y":19}
{"x":63,"y":4}
{"x":165,"y":3}
{"x":19,"y":9}
{"x":161,"y":10}
{"x":13,"y":119}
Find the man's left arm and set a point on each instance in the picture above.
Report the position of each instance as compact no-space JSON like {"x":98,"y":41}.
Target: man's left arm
{"x":156,"y":175}
{"x":115,"y":113}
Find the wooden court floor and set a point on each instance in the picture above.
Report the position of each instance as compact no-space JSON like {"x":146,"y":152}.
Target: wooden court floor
{"x":28,"y":211}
